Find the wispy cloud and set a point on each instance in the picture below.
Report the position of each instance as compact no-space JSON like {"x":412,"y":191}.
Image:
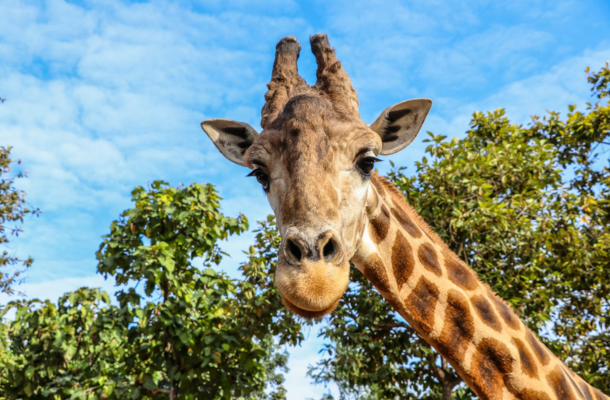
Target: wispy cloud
{"x":104,"y":98}
{"x":565,"y":83}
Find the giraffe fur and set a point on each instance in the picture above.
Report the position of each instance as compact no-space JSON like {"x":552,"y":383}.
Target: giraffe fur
{"x":456,"y":313}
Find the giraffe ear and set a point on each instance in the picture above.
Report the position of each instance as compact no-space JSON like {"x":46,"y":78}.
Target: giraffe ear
{"x":398,"y":125}
{"x":232,"y":138}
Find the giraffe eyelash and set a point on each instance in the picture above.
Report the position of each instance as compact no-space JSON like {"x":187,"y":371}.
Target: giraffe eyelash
{"x":366,"y":164}
{"x":262,"y":177}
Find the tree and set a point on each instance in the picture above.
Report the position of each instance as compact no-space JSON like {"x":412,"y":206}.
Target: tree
{"x":205,"y":335}
{"x":12,"y":209}
{"x":76,"y":348}
{"x":581,"y":140}
{"x":178,"y":331}
{"x":154,"y":243}
{"x":259,"y":304}
{"x":525,"y":207}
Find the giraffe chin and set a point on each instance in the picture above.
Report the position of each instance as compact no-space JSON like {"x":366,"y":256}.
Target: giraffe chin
{"x":311,"y":289}
{"x":308,"y":313}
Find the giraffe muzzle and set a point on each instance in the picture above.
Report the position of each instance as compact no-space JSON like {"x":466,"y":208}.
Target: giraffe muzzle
{"x":299,"y":249}
{"x":312,"y":271}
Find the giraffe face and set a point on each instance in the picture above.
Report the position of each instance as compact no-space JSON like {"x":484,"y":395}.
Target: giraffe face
{"x":314,"y":158}
{"x":315,"y":168}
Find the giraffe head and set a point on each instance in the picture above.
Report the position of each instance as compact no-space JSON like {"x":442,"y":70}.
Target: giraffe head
{"x":314,"y":159}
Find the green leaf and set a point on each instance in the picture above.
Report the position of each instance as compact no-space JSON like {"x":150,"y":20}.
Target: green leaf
{"x":149,"y":384}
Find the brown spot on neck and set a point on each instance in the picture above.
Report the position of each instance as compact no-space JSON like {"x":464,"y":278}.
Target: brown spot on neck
{"x":528,"y":364}
{"x":388,"y":191}
{"x":380,"y":225}
{"x":568,"y":374}
{"x":459,"y":273}
{"x":505,"y":312}
{"x":529,"y":394}
{"x":458,"y":327}
{"x":403,"y":261}
{"x":378,"y":188}
{"x":421,"y":304}
{"x":560,"y":384}
{"x":539,"y":350}
{"x":429,"y":259}
{"x":486,"y":312}
{"x":375,"y":272}
{"x":490,"y":365}
{"x":406,"y":222}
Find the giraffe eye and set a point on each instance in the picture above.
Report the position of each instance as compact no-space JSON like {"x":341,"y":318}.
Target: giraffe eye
{"x":366,"y":164}
{"x":262,"y":177}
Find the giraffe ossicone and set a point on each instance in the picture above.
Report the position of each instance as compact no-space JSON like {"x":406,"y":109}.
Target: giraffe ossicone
{"x":314,"y":159}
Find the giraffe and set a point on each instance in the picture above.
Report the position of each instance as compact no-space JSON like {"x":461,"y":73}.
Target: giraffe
{"x":314,"y":160}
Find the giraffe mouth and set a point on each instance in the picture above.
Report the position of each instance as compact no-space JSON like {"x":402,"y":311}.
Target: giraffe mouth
{"x":313,"y":289}
{"x":309,"y":314}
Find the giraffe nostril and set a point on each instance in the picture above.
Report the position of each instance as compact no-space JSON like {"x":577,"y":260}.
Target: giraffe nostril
{"x":329,"y":250}
{"x":294,"y":250}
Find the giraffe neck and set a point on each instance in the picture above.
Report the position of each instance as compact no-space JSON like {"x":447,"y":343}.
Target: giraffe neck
{"x":457,"y":314}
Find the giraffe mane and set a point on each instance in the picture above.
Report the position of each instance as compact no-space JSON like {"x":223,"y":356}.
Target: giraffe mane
{"x":399,"y":199}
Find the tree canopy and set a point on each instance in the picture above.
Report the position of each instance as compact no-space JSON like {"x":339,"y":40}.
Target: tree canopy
{"x":176,"y":330}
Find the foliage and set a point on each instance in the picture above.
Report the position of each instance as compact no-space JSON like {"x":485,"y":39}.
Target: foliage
{"x":154,"y":243}
{"x":178,"y":331}
{"x":259,"y":299}
{"x":259,"y":305}
{"x":13,"y":208}
{"x":76,"y":348}
{"x":583,"y":249}
{"x":527,"y":208}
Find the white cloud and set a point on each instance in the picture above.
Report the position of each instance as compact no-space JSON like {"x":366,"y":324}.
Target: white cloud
{"x":565,"y":83}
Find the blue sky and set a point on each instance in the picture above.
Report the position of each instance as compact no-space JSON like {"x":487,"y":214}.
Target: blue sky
{"x":104,"y":96}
